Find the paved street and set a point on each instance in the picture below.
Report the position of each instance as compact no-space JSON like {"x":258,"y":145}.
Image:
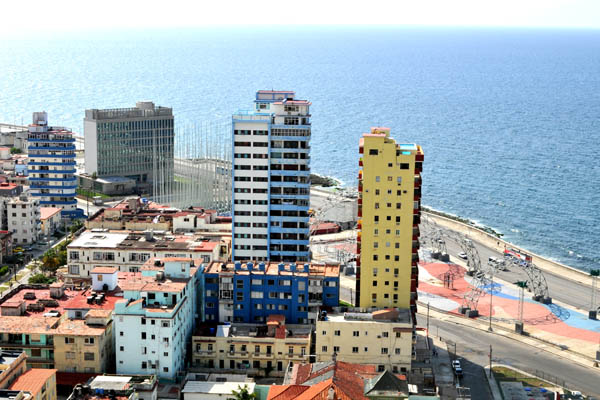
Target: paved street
{"x":473,"y":346}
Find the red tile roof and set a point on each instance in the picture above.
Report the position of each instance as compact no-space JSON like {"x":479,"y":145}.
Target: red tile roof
{"x":33,"y":380}
{"x":285,"y":392}
{"x":104,"y":270}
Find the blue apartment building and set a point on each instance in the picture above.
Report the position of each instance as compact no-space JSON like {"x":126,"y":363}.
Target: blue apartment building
{"x":51,"y":166}
{"x":249,"y":292}
{"x":271,"y":179}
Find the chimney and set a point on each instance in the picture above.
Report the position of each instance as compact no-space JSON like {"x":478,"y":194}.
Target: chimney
{"x":307,"y":268}
{"x":149,"y":235}
{"x":238,"y":265}
{"x":249,"y":266}
{"x":261,"y":266}
{"x":281,"y":267}
{"x":293,"y":267}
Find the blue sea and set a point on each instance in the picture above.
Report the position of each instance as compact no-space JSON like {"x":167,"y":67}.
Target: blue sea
{"x":509,"y":119}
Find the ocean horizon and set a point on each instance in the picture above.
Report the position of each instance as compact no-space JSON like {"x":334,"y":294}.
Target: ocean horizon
{"x":508,"y":118}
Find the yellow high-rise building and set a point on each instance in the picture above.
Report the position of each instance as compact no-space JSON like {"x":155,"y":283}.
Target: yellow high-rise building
{"x":389,"y":210}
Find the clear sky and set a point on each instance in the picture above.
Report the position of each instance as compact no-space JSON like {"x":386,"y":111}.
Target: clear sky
{"x":46,"y":16}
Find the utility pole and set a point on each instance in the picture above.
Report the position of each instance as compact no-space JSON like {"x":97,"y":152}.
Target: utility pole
{"x":427,"y":319}
{"x":490,"y":360}
{"x":593,"y":314}
{"x":491,"y":299}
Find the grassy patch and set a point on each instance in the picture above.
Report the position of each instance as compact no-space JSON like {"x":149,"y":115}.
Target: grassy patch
{"x":91,"y":193}
{"x":507,"y":374}
{"x":345,"y":304}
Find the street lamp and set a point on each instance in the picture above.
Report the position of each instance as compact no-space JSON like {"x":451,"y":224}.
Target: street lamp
{"x":593,"y":313}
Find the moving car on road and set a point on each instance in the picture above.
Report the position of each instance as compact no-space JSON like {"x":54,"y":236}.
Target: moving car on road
{"x":462,"y":255}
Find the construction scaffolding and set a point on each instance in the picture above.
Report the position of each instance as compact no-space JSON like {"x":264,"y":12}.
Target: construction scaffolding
{"x":201,"y":174}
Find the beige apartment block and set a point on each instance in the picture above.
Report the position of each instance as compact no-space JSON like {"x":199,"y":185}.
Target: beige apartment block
{"x":257,"y":349}
{"x":384,"y":338}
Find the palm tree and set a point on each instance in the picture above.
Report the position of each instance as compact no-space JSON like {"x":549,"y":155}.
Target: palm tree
{"x":243,"y":394}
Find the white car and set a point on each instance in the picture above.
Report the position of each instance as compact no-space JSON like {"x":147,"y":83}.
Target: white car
{"x":462,"y":255}
{"x":455,"y":364}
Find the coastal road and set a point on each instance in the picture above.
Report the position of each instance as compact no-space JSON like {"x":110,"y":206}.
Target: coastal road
{"x":565,"y":290}
{"x":473,"y":345}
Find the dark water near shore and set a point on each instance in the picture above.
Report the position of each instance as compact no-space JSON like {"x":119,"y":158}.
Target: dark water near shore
{"x":509,"y":119}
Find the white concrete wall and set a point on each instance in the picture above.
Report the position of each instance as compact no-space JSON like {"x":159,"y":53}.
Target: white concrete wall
{"x":91,"y":146}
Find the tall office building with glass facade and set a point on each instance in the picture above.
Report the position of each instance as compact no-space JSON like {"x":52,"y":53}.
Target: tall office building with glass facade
{"x":135,"y":143}
{"x":271,"y":179}
{"x":51,"y":166}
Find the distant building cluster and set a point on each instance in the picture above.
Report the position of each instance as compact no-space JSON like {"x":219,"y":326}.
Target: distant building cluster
{"x":163,"y":302}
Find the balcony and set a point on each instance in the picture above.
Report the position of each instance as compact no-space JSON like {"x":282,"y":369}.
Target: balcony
{"x":20,"y":345}
{"x":360,"y":175}
{"x":358,"y":236}
{"x":360,"y":162}
{"x":359,"y":224}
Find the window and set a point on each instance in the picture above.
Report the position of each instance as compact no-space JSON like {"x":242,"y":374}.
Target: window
{"x":100,"y":277}
{"x":377,"y":179}
{"x":144,"y":365}
{"x":373,"y":152}
{"x":376,"y":192}
{"x":165,"y":369}
{"x":374,"y":283}
{"x":165,"y":324}
{"x":355,"y":334}
{"x":355,"y":349}
{"x":143,"y":335}
{"x":121,"y":348}
{"x":399,"y":180}
{"x":384,"y":350}
{"x":143,"y":321}
{"x":376,"y":206}
{"x":336,"y":349}
{"x":366,"y":349}
{"x":324,"y":333}
{"x":74,"y":255}
{"x":336,"y":333}
{"x":384,"y":334}
{"x":375,"y":257}
{"x":70,"y":355}
{"x":397,"y":351}
{"x":69,"y":340}
{"x":88,"y":356}
{"x":376,"y":231}
{"x":324,"y":349}
{"x":375,"y":245}
{"x":89,"y":340}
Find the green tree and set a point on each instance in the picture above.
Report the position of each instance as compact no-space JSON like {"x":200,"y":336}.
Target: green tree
{"x":50,"y":261}
{"x":75,"y":226}
{"x":15,"y":150}
{"x":244,"y":394}
{"x":41,"y":279}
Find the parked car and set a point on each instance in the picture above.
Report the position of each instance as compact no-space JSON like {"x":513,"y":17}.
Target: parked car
{"x":462,"y":255}
{"x":455,"y":364}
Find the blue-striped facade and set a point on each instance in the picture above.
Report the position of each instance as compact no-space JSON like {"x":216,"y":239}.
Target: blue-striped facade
{"x":288,"y":187}
{"x":51,"y":168}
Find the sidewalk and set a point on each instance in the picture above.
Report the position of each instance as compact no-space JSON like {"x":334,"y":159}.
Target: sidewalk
{"x":498,"y":330}
{"x":555,"y":325}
